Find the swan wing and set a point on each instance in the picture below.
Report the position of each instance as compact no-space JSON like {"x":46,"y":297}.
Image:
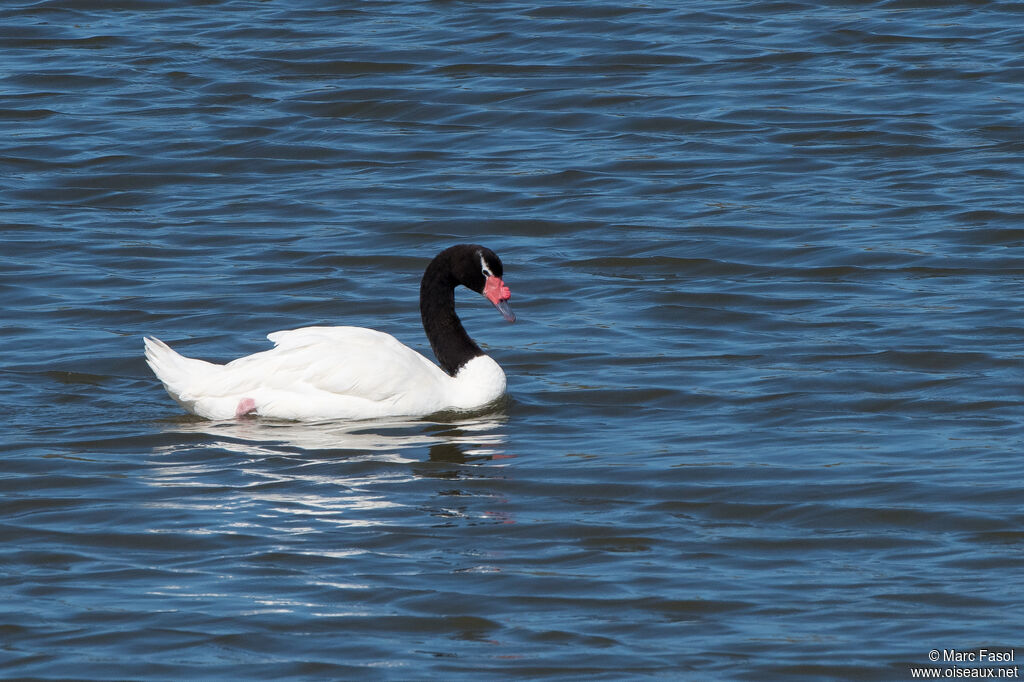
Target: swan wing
{"x":344,"y":361}
{"x":311,"y":373}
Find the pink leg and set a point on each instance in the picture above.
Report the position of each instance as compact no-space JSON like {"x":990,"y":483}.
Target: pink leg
{"x":245,"y":406}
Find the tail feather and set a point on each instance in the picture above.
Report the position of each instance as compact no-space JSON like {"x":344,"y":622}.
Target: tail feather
{"x":181,"y":376}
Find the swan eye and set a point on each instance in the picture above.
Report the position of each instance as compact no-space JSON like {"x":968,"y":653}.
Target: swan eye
{"x":486,"y":271}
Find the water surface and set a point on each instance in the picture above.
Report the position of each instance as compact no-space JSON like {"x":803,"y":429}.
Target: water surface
{"x":764,"y":412}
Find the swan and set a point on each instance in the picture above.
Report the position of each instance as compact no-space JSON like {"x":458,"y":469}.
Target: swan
{"x":317,"y":373}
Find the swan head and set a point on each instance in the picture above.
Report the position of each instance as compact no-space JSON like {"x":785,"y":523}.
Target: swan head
{"x":478,"y":268}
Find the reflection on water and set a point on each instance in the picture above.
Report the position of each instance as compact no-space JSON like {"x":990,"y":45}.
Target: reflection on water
{"x":454,"y":440}
{"x":305,"y":476}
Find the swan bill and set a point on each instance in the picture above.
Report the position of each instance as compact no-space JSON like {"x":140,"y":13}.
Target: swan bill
{"x":506,"y":310}
{"x":499,"y":294}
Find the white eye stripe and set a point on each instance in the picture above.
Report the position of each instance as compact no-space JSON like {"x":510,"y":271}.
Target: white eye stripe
{"x":484,"y":269}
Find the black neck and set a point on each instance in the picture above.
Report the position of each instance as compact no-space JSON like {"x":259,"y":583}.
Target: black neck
{"x":448,"y":338}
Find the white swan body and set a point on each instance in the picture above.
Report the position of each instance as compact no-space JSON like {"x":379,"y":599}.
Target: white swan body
{"x":317,"y":373}
{"x":325,"y":373}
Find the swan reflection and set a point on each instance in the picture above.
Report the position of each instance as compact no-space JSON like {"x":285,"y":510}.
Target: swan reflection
{"x":291,"y":479}
{"x":449,"y":440}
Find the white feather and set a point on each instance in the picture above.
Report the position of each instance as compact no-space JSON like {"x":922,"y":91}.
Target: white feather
{"x":325,"y":373}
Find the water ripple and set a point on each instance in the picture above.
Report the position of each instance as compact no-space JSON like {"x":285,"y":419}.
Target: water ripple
{"x":764,"y":411}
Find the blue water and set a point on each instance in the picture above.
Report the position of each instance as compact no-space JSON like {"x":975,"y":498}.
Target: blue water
{"x":765,"y":408}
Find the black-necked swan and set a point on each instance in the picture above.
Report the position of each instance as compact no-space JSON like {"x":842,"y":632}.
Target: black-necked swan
{"x":318,"y":373}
